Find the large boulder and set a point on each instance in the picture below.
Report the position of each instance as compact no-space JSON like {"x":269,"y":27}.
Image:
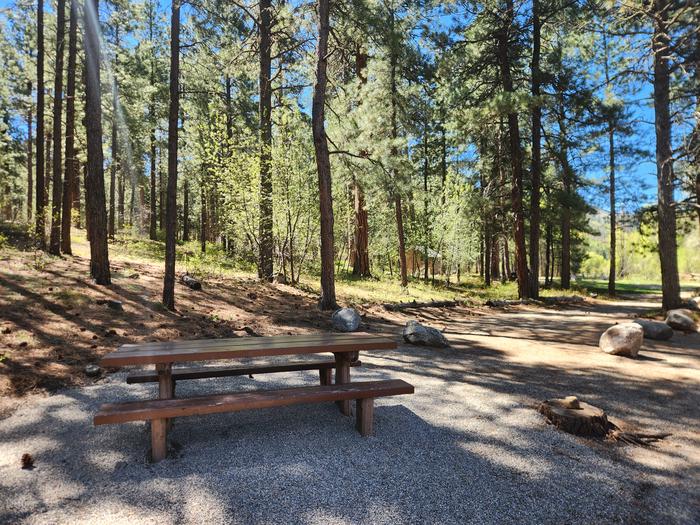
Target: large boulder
{"x":655,"y":329}
{"x":694,"y":303}
{"x":346,"y":320}
{"x":681,"y":319}
{"x":622,"y":339}
{"x":417,"y":334}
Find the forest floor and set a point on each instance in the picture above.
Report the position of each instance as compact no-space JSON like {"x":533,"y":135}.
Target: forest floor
{"x":51,"y":325}
{"x":468,"y":446}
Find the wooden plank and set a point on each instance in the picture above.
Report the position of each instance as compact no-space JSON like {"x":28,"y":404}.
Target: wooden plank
{"x":320,"y":338}
{"x":147,"y":376}
{"x":365,"y":416}
{"x":257,"y":347}
{"x":213,"y":404}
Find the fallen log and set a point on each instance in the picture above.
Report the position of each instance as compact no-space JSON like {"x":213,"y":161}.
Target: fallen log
{"x":191,"y":282}
{"x":395,"y":307}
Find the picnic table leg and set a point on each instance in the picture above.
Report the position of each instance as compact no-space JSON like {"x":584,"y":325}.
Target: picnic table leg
{"x":342,"y":376}
{"x":326,"y":376}
{"x":159,"y":427}
{"x":365,"y":416}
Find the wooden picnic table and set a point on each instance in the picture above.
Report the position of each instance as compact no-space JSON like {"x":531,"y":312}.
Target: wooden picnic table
{"x":162,"y":355}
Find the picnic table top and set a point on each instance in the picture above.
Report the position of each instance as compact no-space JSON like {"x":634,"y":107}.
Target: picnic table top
{"x":243,"y":347}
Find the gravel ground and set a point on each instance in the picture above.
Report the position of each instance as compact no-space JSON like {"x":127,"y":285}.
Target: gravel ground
{"x":467,"y":447}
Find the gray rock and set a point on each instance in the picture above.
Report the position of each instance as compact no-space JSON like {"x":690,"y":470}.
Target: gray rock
{"x":112,"y":303}
{"x":694,"y":303}
{"x":92,"y":370}
{"x":622,"y":339}
{"x":655,"y":329}
{"x":346,"y":320}
{"x":417,"y":334}
{"x":280,"y":278}
{"x":681,"y":319}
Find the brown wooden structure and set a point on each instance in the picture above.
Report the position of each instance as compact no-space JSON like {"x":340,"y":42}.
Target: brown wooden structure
{"x":345,"y":348}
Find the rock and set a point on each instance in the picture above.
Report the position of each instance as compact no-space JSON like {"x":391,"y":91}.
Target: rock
{"x":92,"y":370}
{"x":191,"y":282}
{"x":112,"y":303}
{"x":346,"y":320}
{"x":417,"y":334}
{"x":681,"y":319}
{"x":280,"y":278}
{"x":496,"y":303}
{"x":655,"y":329}
{"x":622,"y":339}
{"x":694,"y":303}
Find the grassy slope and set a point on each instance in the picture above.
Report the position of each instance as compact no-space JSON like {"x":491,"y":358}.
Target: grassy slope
{"x":349,"y":289}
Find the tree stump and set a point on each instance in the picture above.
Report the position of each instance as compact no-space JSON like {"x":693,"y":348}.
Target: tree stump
{"x":576,"y":417}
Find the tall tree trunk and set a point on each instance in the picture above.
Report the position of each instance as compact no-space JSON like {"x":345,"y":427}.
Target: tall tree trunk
{"x":162,"y":182}
{"x":265,"y":114}
{"x":568,"y":182}
{"x":57,"y":187}
{"x":506,"y":257}
{"x":487,"y":254}
{"x":95,"y":208}
{"x":39,"y":230}
{"x":360,"y":258}
{"x":30,"y":164}
{"x":70,"y":185}
{"x":515,"y":155}
{"x":171,"y":202}
{"x":443,"y":164}
{"x":611,"y":168}
{"x":323,"y":163}
{"x":547,"y":255}
{"x":670,"y":282}
{"x":613,"y":214}
{"x":398,"y":208}
{"x":186,"y":213}
{"x":495,"y":258}
{"x":115,"y":146}
{"x":153,"y":212}
{"x":48,"y":143}
{"x":427,"y":233}
{"x":402,"y":242}
{"x":203,"y":220}
{"x":121,"y":191}
{"x":360,"y":245}
{"x":566,"y":224}
{"x":536,"y":162}
{"x":153,"y":215}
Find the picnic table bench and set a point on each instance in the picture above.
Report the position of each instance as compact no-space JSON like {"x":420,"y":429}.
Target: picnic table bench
{"x":162,"y":355}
